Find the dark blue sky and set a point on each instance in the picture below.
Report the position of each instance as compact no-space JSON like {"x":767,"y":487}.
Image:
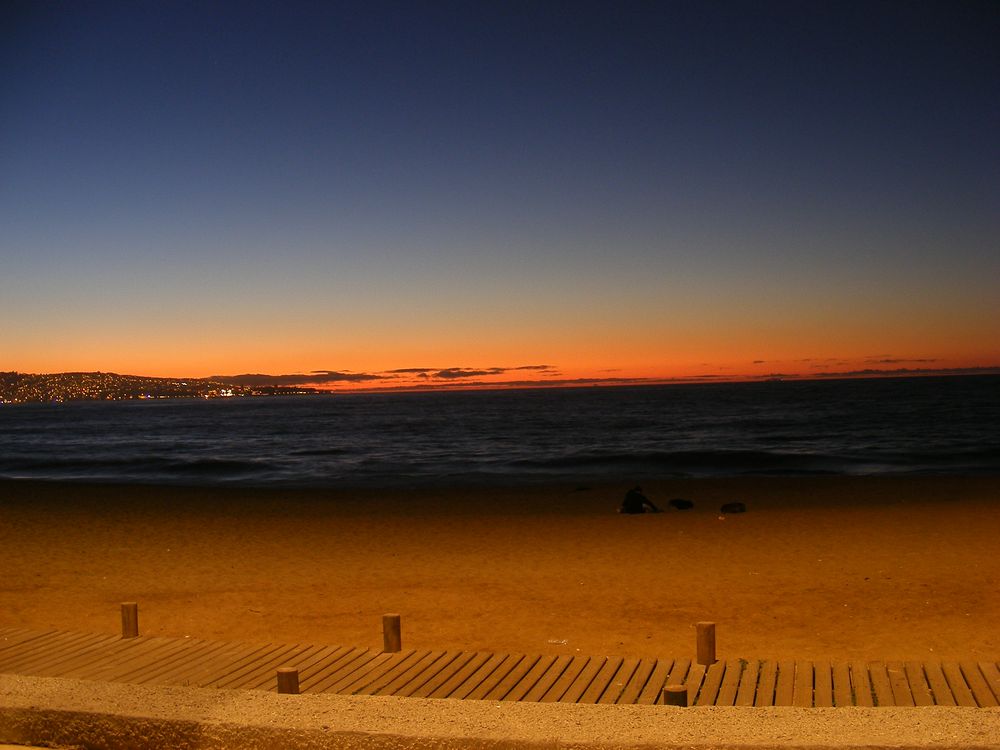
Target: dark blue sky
{"x":473,"y":184}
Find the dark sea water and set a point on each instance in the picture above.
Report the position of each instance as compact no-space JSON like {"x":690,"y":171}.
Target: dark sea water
{"x":917,"y":426}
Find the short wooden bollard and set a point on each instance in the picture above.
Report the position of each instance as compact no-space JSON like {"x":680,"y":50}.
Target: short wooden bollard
{"x":288,"y":680}
{"x":130,"y":620}
{"x":706,"y":643}
{"x":392,"y":640}
{"x":675,"y":695}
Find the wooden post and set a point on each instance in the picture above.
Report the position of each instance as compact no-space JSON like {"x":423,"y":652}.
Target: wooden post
{"x":288,"y":680}
{"x":706,"y":643}
{"x":392,"y":640}
{"x":675,"y":695}
{"x":130,"y":620}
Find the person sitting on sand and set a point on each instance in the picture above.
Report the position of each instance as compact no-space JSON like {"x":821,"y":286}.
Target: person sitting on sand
{"x":636,"y":502}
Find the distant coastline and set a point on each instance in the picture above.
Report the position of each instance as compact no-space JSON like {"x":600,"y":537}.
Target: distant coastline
{"x":22,"y":388}
{"x":66,"y":387}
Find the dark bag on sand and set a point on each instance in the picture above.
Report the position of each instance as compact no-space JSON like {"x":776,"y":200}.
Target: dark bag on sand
{"x":681,"y":504}
{"x":733,"y":508}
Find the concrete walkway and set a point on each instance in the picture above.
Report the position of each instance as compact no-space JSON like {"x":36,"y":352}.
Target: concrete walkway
{"x":102,"y":716}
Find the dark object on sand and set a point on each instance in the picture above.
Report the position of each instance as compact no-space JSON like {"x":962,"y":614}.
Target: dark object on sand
{"x":636,"y":502}
{"x":733,"y":508}
{"x":681,"y":504}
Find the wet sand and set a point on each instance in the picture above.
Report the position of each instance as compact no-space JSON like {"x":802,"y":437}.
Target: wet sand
{"x":830,"y":568}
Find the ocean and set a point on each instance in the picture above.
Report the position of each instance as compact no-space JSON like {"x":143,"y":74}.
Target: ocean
{"x":891,"y":426}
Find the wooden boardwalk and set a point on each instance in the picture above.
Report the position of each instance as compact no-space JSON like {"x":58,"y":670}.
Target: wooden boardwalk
{"x":474,"y":675}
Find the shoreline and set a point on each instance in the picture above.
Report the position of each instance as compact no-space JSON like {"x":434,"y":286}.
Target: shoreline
{"x":832,"y":568}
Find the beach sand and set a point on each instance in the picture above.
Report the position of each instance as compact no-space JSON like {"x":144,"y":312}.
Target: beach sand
{"x":821,"y":568}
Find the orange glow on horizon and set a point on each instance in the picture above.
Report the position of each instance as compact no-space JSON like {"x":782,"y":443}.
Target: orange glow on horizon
{"x":582,"y":356}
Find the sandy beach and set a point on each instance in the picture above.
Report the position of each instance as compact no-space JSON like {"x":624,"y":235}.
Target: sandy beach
{"x":829,"y":568}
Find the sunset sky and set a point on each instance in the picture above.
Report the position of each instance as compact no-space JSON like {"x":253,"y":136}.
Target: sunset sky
{"x":450,"y":192}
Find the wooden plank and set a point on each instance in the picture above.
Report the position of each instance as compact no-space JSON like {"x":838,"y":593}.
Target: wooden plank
{"x":956,"y":681}
{"x":302,"y":660}
{"x":978,"y":685}
{"x":138,"y":664}
{"x":567,"y":678}
{"x":802,"y":685}
{"x":547,"y":680}
{"x":159,"y":660}
{"x":861,"y":680}
{"x":575,"y":691}
{"x":992,"y":676}
{"x":766,"y":684}
{"x":149,"y":654}
{"x":939,"y":684}
{"x":512,"y":678}
{"x":39,"y":661}
{"x":532,"y":678}
{"x":640,"y":676}
{"x":651,"y":691}
{"x":843,"y":692}
{"x":710,"y":685}
{"x":730,"y":683}
{"x":620,"y":681}
{"x":402,"y":674}
{"x":900,"y":685}
{"x":173,"y":672}
{"x":463,"y":684}
{"x":412,"y":679}
{"x":694,"y":680}
{"x":252,"y":672}
{"x":880,"y":683}
{"x":39,"y":654}
{"x":747,"y":690}
{"x":466,"y":678}
{"x":229,"y":663}
{"x":373,"y":663}
{"x":784,"y":686}
{"x":315,"y":664}
{"x":919,"y":687}
{"x":496,"y":676}
{"x":250,"y":669}
{"x":53,"y":639}
{"x":602,"y":680}
{"x":14,"y":641}
{"x":448,"y":671}
{"x":822,"y":684}
{"x":340,"y":669}
{"x":65,"y":657}
{"x":213,"y":666}
{"x":145,"y":653}
{"x":375,"y":670}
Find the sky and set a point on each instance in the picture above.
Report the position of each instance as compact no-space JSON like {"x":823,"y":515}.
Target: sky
{"x":391,"y":193}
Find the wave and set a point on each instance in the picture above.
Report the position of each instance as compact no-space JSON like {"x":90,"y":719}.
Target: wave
{"x":155,"y":468}
{"x":321,"y":452}
{"x":751,"y":462}
{"x":691,"y":462}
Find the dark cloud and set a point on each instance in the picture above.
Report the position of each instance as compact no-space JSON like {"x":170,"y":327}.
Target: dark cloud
{"x":907,"y":371}
{"x":760,"y":361}
{"x":321,"y":377}
{"x":457,"y":373}
{"x":895,"y":361}
{"x":460,"y":373}
{"x":314,"y":377}
{"x":550,"y":383}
